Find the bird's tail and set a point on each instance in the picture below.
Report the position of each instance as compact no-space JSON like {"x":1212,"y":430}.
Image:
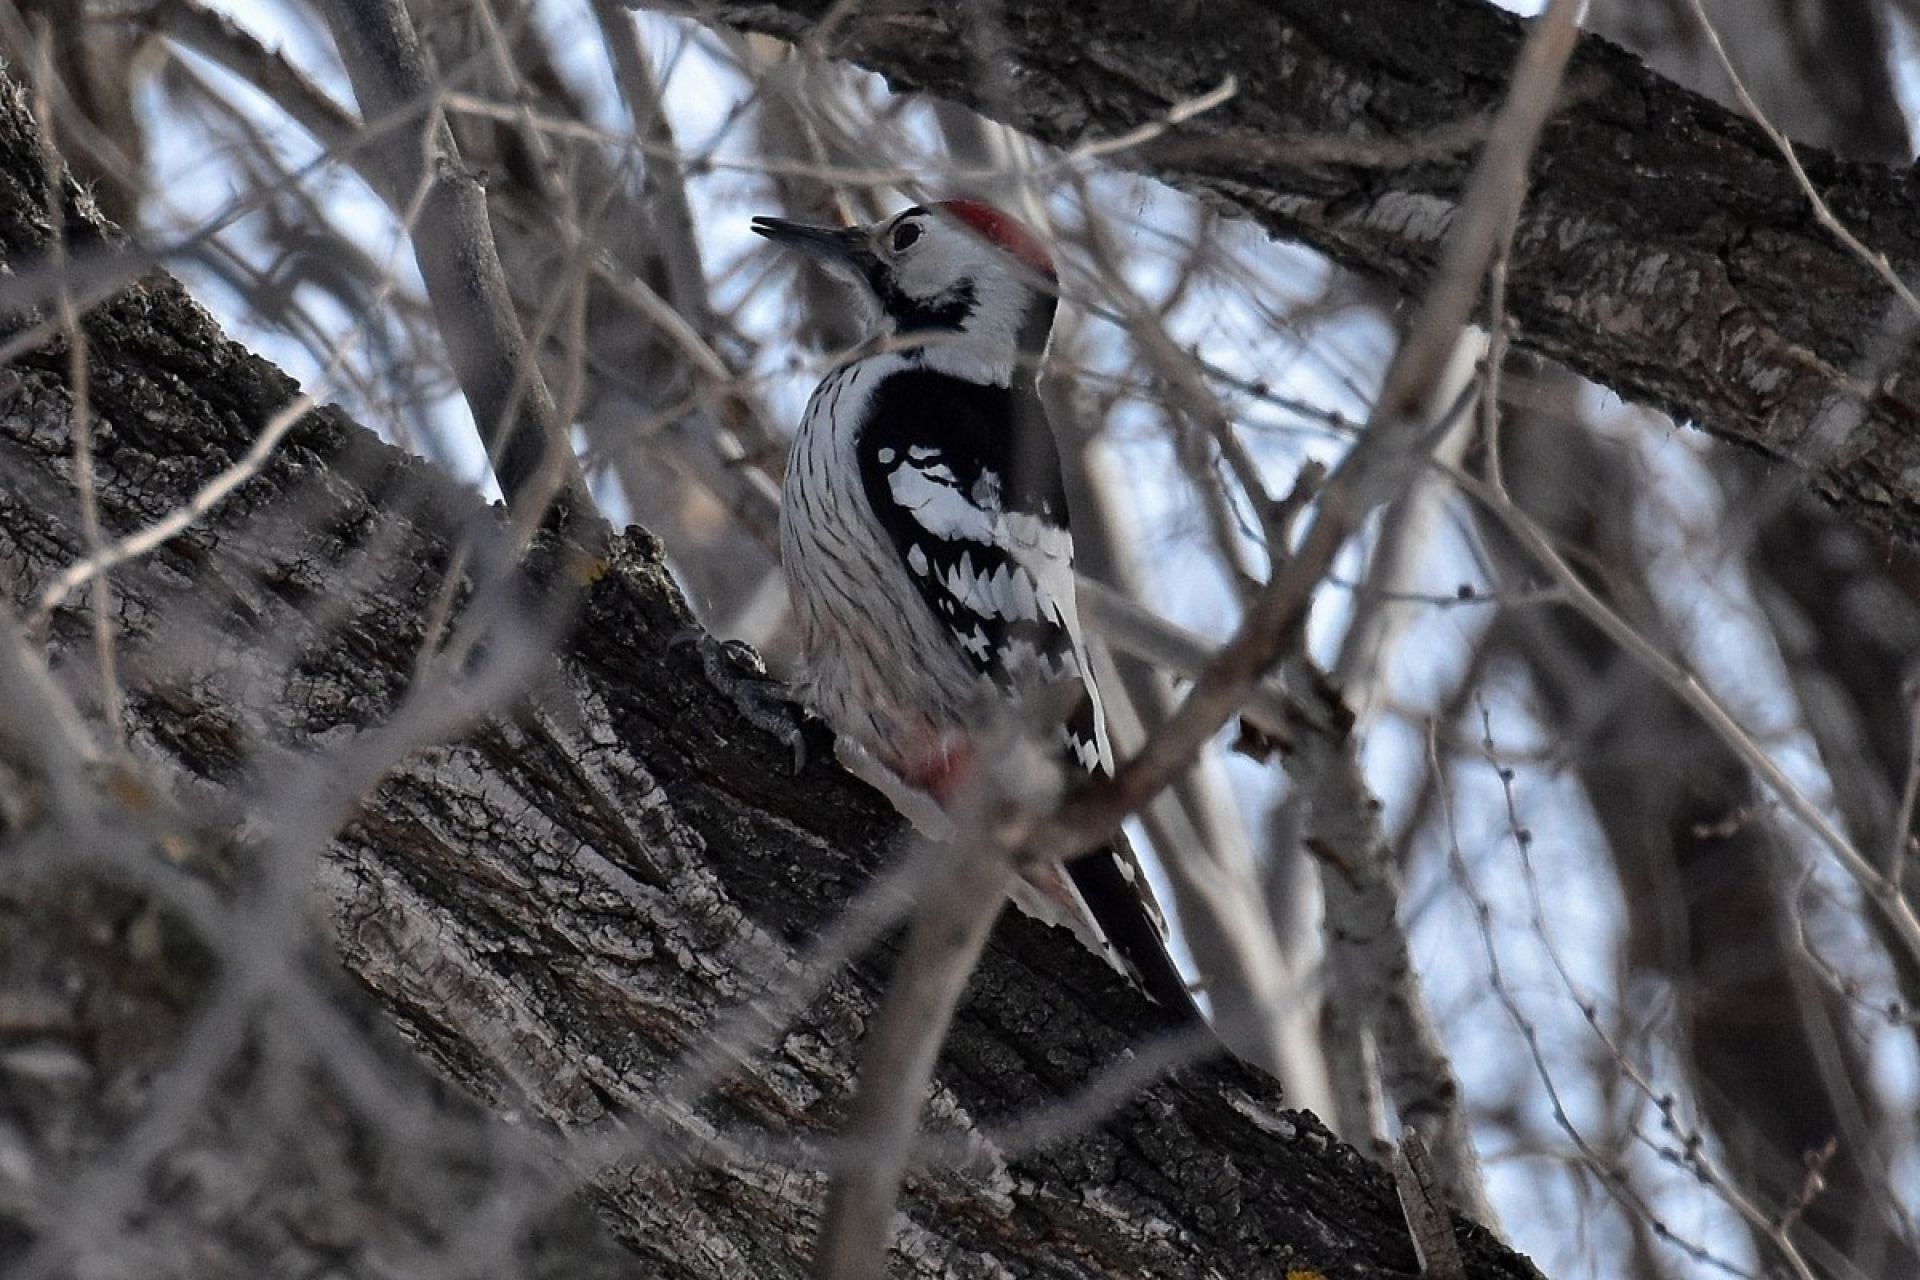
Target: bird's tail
{"x":1110,"y":883}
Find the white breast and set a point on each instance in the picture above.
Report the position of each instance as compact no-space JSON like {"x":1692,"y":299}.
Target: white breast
{"x":876,"y":664}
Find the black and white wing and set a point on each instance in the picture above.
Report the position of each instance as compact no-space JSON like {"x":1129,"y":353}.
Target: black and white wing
{"x":965,"y":479}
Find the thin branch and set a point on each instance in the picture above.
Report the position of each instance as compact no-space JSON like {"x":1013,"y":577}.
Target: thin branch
{"x":665,"y":189}
{"x":39,"y":725}
{"x":79,"y":397}
{"x":1373,"y":981}
{"x":943,"y":945}
{"x":1428,"y":1220}
{"x":1822,"y":212}
{"x":1135,"y":630}
{"x":224,"y":42}
{"x":1153,"y":130}
{"x":1895,"y":869}
{"x":453,"y":244}
{"x":1610,"y":1177}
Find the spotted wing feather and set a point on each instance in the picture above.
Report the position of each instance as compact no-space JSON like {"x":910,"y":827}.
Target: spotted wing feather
{"x":965,"y":479}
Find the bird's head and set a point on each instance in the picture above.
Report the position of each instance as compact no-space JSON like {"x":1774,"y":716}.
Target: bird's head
{"x":957,"y":268}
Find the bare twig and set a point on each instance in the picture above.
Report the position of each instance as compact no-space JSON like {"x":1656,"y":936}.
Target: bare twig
{"x":39,"y":724}
{"x":1609,"y":1176}
{"x":1373,"y":981}
{"x":453,"y":243}
{"x":222,"y":40}
{"x":80,"y":405}
{"x":666,"y":183}
{"x":1133,"y":629}
{"x":1895,"y":869}
{"x":950,"y":927}
{"x":1428,"y":1220}
{"x":1822,"y":212}
{"x":1139,"y":136}
{"x":942,"y":948}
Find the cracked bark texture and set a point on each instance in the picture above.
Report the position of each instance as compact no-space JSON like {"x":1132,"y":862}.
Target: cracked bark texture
{"x":550,"y":909}
{"x":1664,"y":251}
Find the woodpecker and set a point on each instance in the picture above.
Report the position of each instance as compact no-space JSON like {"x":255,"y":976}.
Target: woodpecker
{"x":924,"y":530}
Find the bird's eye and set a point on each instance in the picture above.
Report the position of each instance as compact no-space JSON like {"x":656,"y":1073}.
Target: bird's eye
{"x":905,"y":235}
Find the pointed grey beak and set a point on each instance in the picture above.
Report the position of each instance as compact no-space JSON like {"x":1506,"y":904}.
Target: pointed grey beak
{"x":830,"y":244}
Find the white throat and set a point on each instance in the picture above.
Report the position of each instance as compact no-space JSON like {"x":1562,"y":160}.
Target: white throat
{"x":969,"y":356}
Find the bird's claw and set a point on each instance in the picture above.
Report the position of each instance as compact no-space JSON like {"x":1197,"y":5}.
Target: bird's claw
{"x":762,"y":701}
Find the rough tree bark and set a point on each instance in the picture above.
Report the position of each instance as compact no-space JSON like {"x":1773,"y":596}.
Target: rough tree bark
{"x":1664,"y":251}
{"x":551,"y":909}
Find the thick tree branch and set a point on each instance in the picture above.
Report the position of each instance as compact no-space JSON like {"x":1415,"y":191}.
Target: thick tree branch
{"x":1665,"y":250}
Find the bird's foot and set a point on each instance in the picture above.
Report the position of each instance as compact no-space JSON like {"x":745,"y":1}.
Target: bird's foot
{"x":735,"y":669}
